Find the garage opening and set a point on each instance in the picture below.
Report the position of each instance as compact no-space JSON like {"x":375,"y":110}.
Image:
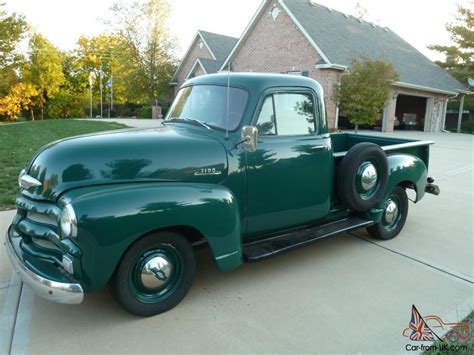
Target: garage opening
{"x":410,"y":113}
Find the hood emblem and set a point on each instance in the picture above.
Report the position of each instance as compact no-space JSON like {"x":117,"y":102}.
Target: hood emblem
{"x":207,"y":171}
{"x":26,"y":181}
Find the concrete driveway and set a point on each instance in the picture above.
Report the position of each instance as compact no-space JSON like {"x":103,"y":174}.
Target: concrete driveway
{"x":131,"y":122}
{"x":347,"y":294}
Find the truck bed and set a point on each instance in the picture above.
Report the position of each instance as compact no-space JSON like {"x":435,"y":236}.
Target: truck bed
{"x":342,"y":142}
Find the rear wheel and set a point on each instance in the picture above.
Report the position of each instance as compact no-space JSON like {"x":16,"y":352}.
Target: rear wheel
{"x":394,"y":215}
{"x":155,"y":274}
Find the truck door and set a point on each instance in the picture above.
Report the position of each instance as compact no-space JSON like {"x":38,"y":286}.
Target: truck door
{"x":290,"y":175}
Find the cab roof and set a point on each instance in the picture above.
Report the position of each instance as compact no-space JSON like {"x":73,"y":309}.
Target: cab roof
{"x":257,"y":82}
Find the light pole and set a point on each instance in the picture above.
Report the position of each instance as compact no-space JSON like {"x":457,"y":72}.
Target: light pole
{"x":91,"y":79}
{"x":101,"y":74}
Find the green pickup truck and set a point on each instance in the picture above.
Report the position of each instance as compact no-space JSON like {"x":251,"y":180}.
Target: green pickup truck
{"x":243,"y":164}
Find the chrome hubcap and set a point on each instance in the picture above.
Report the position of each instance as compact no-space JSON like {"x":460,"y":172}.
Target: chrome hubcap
{"x":391,"y":212}
{"x":368,"y":176}
{"x":156,"y":272}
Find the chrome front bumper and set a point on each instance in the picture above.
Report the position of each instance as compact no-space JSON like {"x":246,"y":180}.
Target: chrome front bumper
{"x":61,"y":292}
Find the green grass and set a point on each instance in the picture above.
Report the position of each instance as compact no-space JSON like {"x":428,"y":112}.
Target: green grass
{"x":19,"y":142}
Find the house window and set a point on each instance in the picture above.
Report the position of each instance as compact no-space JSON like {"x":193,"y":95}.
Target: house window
{"x":201,"y":44}
{"x":295,"y":72}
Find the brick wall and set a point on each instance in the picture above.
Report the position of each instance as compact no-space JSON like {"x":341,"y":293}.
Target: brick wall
{"x":194,"y":53}
{"x":278,"y":46}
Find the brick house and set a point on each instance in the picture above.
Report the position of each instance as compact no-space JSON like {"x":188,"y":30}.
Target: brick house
{"x":301,"y":37}
{"x":205,"y":55}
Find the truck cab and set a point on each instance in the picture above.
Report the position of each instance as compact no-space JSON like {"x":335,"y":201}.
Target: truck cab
{"x":243,"y":163}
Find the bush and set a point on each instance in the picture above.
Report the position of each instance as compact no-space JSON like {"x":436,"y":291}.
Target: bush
{"x":145,"y":112}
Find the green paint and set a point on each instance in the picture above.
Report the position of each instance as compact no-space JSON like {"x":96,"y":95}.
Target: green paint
{"x":123,"y":185}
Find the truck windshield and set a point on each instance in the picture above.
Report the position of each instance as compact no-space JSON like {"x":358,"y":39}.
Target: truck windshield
{"x":208,"y":104}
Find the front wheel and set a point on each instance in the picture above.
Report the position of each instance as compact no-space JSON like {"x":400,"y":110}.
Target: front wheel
{"x":155,"y":274}
{"x":394,"y":215}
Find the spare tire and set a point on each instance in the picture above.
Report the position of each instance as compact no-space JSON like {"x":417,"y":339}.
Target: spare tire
{"x":362,"y":177}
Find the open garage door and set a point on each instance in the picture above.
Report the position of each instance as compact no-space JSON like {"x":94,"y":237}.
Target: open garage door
{"x":410,"y":113}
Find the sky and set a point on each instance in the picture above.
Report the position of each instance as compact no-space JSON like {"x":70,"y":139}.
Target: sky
{"x":419,"y":22}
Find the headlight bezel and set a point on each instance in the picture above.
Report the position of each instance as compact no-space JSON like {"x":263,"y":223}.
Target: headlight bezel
{"x":68,"y":222}
{"x":22,"y":173}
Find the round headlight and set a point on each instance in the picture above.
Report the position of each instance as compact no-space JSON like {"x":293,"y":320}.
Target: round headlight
{"x":68,"y":222}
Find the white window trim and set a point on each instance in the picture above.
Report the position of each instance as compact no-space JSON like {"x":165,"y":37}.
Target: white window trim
{"x":194,"y":66}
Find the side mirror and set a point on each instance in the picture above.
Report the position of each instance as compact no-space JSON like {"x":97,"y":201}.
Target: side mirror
{"x":249,"y":138}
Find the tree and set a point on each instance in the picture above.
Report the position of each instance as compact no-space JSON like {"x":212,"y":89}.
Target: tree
{"x":107,"y":50}
{"x":364,"y":91}
{"x":19,"y":98}
{"x":459,"y":61}
{"x":44,"y":70}
{"x":12,"y":30}
{"x":148,"y":47}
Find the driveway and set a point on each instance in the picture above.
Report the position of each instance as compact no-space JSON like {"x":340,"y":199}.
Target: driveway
{"x":131,"y":122}
{"x":347,"y":294}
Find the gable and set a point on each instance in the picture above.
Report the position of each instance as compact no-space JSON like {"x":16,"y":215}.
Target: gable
{"x":197,"y":49}
{"x":210,"y":48}
{"x":263,"y":50}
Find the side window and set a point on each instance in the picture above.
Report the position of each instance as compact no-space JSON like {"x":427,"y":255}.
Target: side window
{"x":266,"y":118}
{"x":294,"y":113}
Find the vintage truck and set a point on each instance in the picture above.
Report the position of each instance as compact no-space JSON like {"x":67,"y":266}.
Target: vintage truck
{"x":243,"y":164}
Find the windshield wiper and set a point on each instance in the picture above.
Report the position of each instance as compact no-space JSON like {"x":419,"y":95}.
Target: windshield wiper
{"x":190,"y":119}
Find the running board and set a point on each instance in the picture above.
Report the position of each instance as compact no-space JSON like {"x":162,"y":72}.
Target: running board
{"x":266,"y":248}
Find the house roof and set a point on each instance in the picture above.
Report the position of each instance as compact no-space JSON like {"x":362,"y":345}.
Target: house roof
{"x":355,"y":38}
{"x":219,"y":47}
{"x":338,"y":38}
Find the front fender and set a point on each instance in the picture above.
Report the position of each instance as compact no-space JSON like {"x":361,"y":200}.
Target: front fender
{"x":112,"y":217}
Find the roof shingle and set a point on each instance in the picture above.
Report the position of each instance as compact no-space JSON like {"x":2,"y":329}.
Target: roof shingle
{"x":342,"y":38}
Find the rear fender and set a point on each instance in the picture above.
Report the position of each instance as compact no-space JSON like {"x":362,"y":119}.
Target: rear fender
{"x":112,"y":217}
{"x":403,"y":169}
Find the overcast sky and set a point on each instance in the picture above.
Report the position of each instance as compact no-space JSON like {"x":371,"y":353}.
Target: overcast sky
{"x":420,"y":22}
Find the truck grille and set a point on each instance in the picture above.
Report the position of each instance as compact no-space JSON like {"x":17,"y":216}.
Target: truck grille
{"x":36,"y":223}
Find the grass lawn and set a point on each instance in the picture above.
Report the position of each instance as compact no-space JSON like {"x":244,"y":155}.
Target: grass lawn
{"x":19,"y":142}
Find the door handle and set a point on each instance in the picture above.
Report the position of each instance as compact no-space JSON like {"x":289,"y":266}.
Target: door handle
{"x":319,"y":147}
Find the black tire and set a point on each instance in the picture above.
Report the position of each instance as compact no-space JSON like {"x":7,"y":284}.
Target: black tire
{"x":385,"y":230}
{"x":127,"y":282}
{"x":349,"y":188}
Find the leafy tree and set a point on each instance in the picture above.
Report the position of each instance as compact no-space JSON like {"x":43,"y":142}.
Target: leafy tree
{"x":364,"y":91}
{"x":148,"y":47}
{"x":44,"y":70}
{"x":12,"y":30}
{"x":460,"y":56}
{"x":19,"y":98}
{"x":106,"y":50}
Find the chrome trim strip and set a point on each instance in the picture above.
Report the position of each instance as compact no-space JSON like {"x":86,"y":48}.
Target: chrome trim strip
{"x":61,"y":292}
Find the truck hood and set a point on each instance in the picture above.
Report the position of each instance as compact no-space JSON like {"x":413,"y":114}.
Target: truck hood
{"x":160,"y":154}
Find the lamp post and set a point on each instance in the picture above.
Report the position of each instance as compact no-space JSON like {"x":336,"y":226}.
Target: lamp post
{"x":91,"y":82}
